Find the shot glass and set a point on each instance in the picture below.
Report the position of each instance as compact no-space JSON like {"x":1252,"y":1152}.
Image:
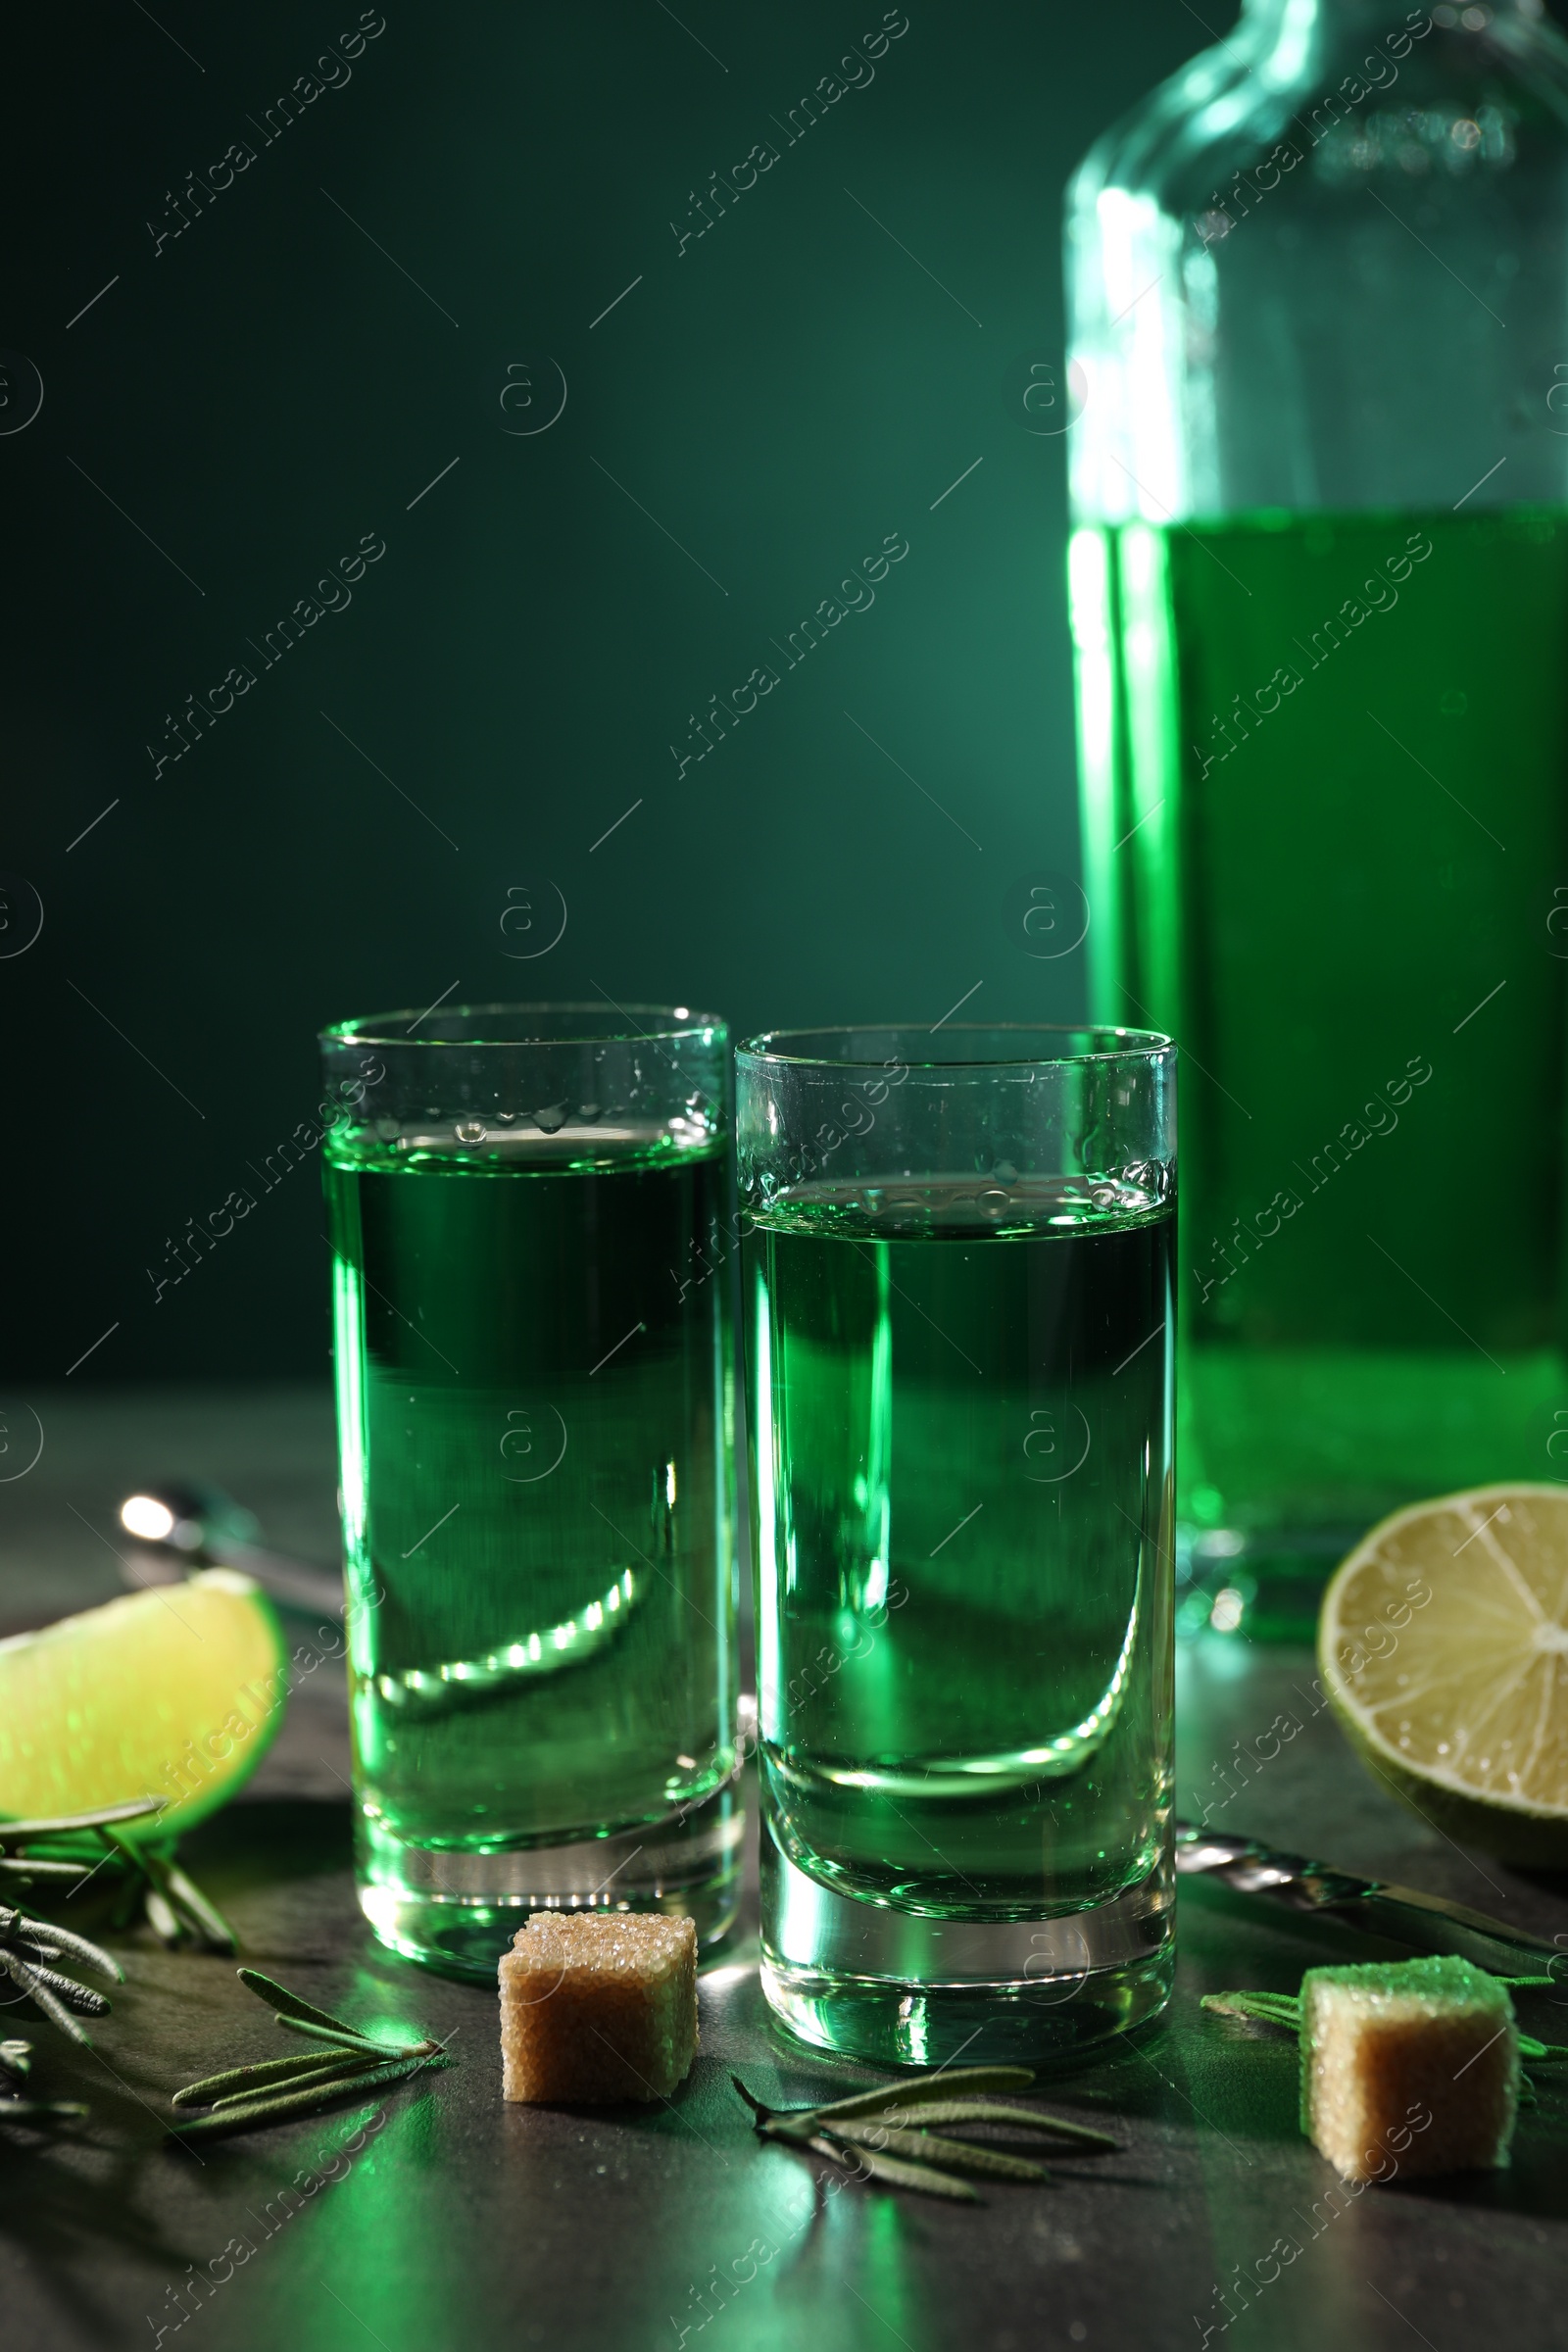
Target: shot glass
{"x":528,"y":1210}
{"x":957,"y":1320}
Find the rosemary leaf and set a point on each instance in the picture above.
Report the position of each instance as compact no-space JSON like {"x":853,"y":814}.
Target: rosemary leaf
{"x":161,"y":1916}
{"x":990,"y":2111}
{"x":62,"y":1940}
{"x":253,"y":2112}
{"x":924,"y":2147}
{"x":896,"y":2173}
{"x":1529,"y":2048}
{"x":261,"y":2076}
{"x":292,"y":2007}
{"x":27,"y":1870}
{"x":943,"y":2082}
{"x":328,"y":2070}
{"x":16,"y":2056}
{"x":26,"y":2111}
{"x":56,"y":2011}
{"x":344,"y":2037}
{"x":82,"y":1997}
{"x":183,"y":1892}
{"x":18,"y":1833}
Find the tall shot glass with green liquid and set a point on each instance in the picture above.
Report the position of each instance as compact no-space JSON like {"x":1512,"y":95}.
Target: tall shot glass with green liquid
{"x":535,"y":1415}
{"x":958,"y":1340}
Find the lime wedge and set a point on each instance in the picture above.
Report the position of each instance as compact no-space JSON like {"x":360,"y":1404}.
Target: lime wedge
{"x":174,"y":1692}
{"x":1442,"y":1645}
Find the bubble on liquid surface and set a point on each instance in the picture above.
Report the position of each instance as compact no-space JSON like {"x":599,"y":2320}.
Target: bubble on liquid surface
{"x":388,"y":1130}
{"x":469,"y":1131}
{"x":551,"y":1118}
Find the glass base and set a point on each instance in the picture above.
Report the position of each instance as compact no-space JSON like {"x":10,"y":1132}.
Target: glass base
{"x":907,"y":1988}
{"x":458,"y":1911}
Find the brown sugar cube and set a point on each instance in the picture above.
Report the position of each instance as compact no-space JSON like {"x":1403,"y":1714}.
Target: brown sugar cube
{"x":597,"y":2006}
{"x":1408,"y":2067}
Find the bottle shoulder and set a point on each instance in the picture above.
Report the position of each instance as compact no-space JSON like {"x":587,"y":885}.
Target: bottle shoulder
{"x":1161,"y":138}
{"x":1272,"y":259}
{"x":1232,"y":106}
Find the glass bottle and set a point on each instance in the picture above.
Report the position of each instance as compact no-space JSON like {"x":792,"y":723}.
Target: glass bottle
{"x":1319,"y":577}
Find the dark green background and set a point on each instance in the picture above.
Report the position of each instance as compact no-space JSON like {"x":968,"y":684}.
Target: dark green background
{"x":271,"y":386}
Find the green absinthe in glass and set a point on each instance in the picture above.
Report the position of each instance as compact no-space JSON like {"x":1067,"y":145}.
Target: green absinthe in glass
{"x":963,"y":1528}
{"x":1332,"y":758}
{"x":534,"y":1392}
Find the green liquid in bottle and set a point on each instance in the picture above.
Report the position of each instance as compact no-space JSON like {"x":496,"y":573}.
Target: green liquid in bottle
{"x":1324,"y":766}
{"x":535,"y":1397}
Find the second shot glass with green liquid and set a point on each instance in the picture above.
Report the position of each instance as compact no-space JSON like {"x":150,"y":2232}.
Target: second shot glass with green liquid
{"x":958,"y":1313}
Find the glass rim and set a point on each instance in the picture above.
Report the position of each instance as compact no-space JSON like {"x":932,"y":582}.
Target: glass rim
{"x":1139,"y":1045}
{"x":569,"y":1019}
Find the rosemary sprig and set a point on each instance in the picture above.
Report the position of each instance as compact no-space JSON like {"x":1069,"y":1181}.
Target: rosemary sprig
{"x":244,"y":2115}
{"x":884,"y":2134}
{"x":27,"y":1945}
{"x":276,"y":2089}
{"x":77,"y":1845}
{"x":175,"y":1906}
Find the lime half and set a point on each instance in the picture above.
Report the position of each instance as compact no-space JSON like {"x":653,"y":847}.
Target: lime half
{"x":1442,"y":1645}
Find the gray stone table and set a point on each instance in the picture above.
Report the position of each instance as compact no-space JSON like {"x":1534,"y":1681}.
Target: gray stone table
{"x":444,"y":2220}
